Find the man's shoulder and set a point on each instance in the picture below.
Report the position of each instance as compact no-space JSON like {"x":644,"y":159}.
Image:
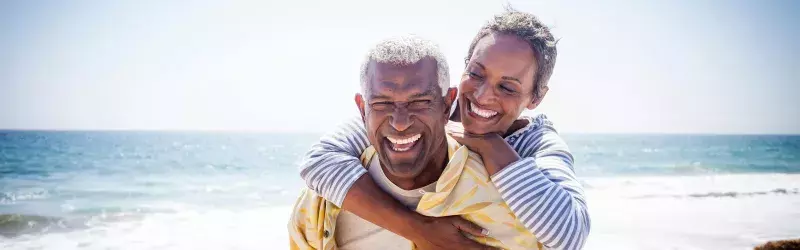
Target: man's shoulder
{"x":309,"y":201}
{"x":474,"y":164}
{"x":306,"y":223}
{"x":474,"y":157}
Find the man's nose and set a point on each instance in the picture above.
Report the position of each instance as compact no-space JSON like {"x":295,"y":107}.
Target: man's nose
{"x":401,"y":119}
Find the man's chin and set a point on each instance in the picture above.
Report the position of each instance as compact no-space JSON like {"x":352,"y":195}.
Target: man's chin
{"x":405,"y":171}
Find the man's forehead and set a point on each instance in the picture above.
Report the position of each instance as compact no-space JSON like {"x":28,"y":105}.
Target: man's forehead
{"x":386,"y":93}
{"x":410,"y":88}
{"x":425,"y":66}
{"x":420,"y":76}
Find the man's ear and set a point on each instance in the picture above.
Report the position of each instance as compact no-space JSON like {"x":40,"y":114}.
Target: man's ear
{"x":538,"y":99}
{"x":449,"y":98}
{"x":360,"y":103}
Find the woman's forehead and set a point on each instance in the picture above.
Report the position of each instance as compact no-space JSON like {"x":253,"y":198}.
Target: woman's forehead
{"x":503,"y":45}
{"x":506,"y":55}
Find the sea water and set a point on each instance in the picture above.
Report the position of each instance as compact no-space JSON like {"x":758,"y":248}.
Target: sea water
{"x":227,"y":190}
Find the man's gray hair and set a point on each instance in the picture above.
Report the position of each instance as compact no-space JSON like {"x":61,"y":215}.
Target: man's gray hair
{"x":406,"y":50}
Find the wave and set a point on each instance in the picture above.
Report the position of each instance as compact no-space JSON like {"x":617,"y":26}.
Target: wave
{"x":248,"y":228}
{"x":13,"y":225}
{"x":12,"y":197}
{"x":671,"y":169}
{"x":693,"y":187}
{"x":731,"y":194}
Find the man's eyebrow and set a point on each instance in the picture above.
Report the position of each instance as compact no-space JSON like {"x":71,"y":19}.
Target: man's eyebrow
{"x":508,"y":78}
{"x":480,"y":65}
{"x":379,"y":97}
{"x":427,"y":93}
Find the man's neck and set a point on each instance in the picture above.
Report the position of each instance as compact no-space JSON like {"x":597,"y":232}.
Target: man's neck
{"x":432,"y":171}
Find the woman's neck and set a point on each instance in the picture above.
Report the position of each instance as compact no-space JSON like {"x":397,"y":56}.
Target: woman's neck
{"x":516,"y":125}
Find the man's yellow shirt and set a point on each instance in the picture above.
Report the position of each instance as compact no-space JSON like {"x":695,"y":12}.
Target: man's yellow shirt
{"x":464,"y":189}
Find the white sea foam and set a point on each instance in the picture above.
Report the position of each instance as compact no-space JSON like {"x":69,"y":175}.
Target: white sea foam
{"x":672,"y":213}
{"x":254,"y":229}
{"x":627,"y":213}
{"x":733,"y":185}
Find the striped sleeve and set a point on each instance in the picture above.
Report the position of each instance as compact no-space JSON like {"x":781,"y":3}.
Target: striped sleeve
{"x":332,"y":165}
{"x":542,"y":189}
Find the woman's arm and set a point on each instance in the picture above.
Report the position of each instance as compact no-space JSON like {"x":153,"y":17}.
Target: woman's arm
{"x":332,"y":165}
{"x":332,"y":168}
{"x":538,"y":183}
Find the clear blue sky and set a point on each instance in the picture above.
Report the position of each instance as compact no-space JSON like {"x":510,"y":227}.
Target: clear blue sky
{"x":623,"y":66}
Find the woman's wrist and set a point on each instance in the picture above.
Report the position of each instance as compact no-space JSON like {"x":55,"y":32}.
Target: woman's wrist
{"x":413,"y":227}
{"x":486,"y":144}
{"x":497,"y":154}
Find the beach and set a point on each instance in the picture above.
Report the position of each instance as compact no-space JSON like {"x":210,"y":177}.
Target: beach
{"x":730,"y":212}
{"x":193,"y":190}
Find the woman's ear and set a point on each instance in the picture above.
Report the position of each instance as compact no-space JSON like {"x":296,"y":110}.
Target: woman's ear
{"x":538,"y":99}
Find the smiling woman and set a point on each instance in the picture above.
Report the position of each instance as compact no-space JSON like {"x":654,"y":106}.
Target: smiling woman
{"x":509,"y":64}
{"x":498,"y":84}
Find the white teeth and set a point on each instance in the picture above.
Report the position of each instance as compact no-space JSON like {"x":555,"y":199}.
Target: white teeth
{"x":485,"y":113}
{"x":404,"y":140}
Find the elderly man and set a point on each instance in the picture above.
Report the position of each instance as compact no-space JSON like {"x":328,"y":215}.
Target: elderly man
{"x":404,"y":101}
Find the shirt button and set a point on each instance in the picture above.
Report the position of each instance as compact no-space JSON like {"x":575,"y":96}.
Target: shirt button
{"x":326,"y":234}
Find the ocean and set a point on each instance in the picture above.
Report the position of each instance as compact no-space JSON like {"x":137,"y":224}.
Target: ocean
{"x":228,"y":190}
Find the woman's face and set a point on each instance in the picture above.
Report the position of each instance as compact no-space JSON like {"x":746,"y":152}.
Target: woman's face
{"x":497,"y":84}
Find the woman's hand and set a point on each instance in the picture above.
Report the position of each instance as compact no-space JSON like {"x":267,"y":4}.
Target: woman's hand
{"x":447,"y":233}
{"x":494,"y":150}
{"x":476,"y":143}
{"x":371,"y":203}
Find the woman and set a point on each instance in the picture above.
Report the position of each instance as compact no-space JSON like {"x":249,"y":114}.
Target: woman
{"x":508,"y":65}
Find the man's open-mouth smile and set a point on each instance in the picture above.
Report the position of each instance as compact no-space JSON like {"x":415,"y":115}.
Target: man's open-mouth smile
{"x":403,"y":144}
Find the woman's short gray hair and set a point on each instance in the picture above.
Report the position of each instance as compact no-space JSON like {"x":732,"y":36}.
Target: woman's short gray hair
{"x":406,"y":50}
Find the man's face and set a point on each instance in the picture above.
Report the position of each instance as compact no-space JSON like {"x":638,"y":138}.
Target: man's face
{"x":405,"y":114}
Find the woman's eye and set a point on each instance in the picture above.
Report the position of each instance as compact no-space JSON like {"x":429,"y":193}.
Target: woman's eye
{"x":507,"y":89}
{"x":474,"y":75}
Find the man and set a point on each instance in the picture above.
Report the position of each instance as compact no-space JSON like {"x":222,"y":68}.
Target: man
{"x":404,"y":101}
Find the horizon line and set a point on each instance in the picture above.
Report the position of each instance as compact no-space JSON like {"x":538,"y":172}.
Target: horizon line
{"x":256,"y":131}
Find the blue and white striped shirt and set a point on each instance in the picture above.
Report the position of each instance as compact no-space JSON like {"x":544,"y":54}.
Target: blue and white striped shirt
{"x":541,"y":188}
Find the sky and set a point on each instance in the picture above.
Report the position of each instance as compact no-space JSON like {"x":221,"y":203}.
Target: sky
{"x":723,"y":67}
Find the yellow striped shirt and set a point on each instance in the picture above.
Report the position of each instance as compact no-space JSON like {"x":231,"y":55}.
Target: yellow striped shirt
{"x":464,"y":189}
